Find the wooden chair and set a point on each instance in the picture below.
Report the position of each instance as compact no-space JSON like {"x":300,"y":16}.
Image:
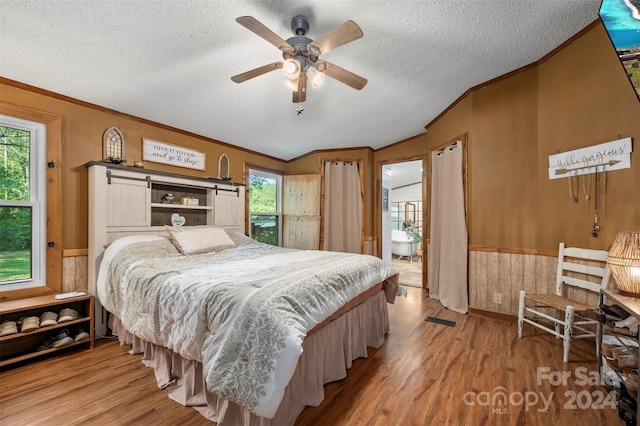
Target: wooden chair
{"x":577,"y":267}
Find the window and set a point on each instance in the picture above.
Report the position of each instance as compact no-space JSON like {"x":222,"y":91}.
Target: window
{"x":22,"y":204}
{"x":265,"y":212}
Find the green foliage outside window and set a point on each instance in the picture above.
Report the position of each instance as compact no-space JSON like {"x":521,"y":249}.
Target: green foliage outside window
{"x":15,"y":221}
{"x":262,"y":199}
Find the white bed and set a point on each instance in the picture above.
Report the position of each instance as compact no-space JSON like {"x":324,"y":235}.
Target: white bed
{"x":247,"y":333}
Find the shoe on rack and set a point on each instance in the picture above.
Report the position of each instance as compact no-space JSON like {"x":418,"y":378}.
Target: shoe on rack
{"x":48,"y":318}
{"x":29,"y":324}
{"x":67,"y":314}
{"x":630,"y":323}
{"x":615,"y":311}
{"x":81,"y":335}
{"x":7,"y":328}
{"x":60,"y":339}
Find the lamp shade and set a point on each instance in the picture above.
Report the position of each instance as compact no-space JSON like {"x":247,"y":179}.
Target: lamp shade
{"x":291,"y":69}
{"x":624,"y":262}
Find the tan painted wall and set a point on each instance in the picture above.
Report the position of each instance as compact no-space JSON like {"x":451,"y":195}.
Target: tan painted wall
{"x":585,"y":99}
{"x":503,"y":163}
{"x":578,"y":97}
{"x":312,"y":164}
{"x":83,"y":128}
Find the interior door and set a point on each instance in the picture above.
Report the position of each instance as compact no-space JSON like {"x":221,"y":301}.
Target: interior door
{"x":301,"y":212}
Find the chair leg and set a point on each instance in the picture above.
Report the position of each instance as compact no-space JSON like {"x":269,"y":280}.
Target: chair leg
{"x":568,"y":331}
{"x":521,"y":313}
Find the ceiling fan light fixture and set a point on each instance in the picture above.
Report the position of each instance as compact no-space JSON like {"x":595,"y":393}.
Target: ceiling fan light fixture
{"x":291,"y":69}
{"x":315,"y":77}
{"x":291,"y":84}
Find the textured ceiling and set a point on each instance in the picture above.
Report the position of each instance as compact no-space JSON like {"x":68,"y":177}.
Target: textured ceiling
{"x":171,"y":62}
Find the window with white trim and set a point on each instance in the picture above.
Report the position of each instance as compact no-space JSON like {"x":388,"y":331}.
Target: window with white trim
{"x":22,"y":204}
{"x":265,"y":211}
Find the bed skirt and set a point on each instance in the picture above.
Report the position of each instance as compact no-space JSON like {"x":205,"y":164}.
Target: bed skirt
{"x":327,"y":354}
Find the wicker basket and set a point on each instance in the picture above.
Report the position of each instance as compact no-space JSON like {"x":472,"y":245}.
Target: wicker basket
{"x":624,"y":262}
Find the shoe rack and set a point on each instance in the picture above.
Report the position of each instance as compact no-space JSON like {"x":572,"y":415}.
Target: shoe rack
{"x":21,"y":346}
{"x":625,"y":343}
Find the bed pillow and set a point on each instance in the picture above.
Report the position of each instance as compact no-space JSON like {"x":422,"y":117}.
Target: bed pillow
{"x":199,"y":239}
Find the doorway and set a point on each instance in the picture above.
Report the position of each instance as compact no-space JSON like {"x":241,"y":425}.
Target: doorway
{"x":402,"y":216}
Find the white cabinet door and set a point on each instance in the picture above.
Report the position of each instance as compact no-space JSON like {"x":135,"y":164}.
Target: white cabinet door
{"x":228,"y":208}
{"x":128,"y":203}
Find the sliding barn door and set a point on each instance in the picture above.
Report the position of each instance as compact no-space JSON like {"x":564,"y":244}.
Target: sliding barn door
{"x":301,"y":212}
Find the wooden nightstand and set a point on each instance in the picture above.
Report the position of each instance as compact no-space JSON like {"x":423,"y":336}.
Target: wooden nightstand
{"x":23,"y":346}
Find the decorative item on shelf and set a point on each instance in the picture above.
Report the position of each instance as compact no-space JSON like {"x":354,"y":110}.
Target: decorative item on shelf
{"x":177,"y":220}
{"x":187,"y":201}
{"x":227,"y":178}
{"x":624,"y":262}
{"x":138,"y":164}
{"x":167,"y":198}
{"x":115,"y":160}
{"x":223,"y":166}
{"x":113,"y":145}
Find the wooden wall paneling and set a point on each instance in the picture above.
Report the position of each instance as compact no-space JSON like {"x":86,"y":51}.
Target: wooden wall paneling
{"x":517,"y":281}
{"x":504,"y":281}
{"x":541,"y":276}
{"x":473,"y":279}
{"x":509,"y":272}
{"x":301,"y":211}
{"x":301,"y":195}
{"x":482,"y":259}
{"x":529,"y":273}
{"x":301,"y":232}
{"x":493,"y":279}
{"x":75,"y":270}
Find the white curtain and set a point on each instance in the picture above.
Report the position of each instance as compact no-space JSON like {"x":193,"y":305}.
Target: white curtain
{"x":448,"y":237}
{"x":342,"y":207}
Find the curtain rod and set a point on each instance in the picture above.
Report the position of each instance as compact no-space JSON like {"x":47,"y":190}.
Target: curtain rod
{"x":450,"y":147}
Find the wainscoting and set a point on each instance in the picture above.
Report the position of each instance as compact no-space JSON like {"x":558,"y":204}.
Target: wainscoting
{"x":507,"y":273}
{"x":75,"y":267}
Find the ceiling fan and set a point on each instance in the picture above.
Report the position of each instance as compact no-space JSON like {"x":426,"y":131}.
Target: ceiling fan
{"x":301,"y":62}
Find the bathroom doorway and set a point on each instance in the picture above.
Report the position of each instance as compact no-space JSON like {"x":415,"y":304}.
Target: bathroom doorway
{"x":403,"y":218}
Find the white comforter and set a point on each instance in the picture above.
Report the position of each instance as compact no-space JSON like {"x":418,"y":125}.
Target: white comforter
{"x":242,"y":312}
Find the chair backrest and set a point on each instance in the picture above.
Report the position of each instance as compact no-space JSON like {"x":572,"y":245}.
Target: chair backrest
{"x":572,"y":261}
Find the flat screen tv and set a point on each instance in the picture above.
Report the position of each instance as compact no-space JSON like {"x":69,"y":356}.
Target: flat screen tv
{"x":621,"y":18}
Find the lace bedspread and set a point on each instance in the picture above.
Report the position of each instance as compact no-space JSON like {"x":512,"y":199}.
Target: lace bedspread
{"x":242,"y":312}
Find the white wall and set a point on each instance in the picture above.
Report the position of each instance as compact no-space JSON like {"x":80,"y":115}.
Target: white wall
{"x":407,"y":193}
{"x":386,"y":217}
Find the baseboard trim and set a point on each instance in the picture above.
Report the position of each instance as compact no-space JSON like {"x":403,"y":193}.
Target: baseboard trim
{"x":495,"y":315}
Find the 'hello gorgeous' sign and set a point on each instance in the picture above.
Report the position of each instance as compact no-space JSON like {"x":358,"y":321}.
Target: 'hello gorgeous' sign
{"x":160,"y":152}
{"x":605,"y":157}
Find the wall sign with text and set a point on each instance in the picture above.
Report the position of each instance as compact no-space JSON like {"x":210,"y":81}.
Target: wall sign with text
{"x":160,"y":152}
{"x":605,"y":157}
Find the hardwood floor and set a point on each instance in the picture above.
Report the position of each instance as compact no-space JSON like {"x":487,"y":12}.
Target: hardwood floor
{"x":410,"y":271}
{"x":422,"y":375}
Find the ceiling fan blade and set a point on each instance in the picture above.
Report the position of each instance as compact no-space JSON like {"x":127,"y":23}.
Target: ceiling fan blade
{"x":344,"y":76}
{"x":256,"y":72}
{"x":300,"y":95}
{"x":345,"y":33}
{"x":257,"y":27}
